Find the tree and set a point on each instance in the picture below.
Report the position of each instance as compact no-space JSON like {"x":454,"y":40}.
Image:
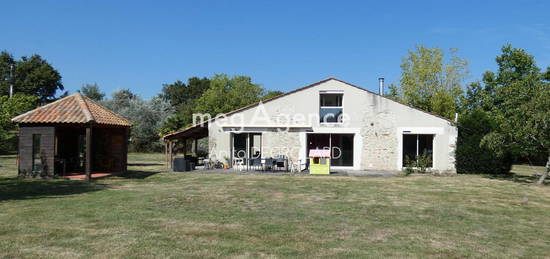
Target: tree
{"x":6,"y":72}
{"x":183,"y":98}
{"x":179,"y":93}
{"x":520,"y":98}
{"x":9,"y":108}
{"x":471,"y":157}
{"x":394,"y":92}
{"x":120,"y":99}
{"x":31,"y":76}
{"x":228,"y":93}
{"x":476,"y":97}
{"x":429,"y":83}
{"x":271,"y":94}
{"x":214,"y":96}
{"x":92,"y":91}
{"x":146,"y":115}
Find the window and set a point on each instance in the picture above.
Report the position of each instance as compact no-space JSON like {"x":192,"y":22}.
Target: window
{"x":415,"y":145}
{"x":331,"y":109}
{"x":341,"y":146}
{"x":36,"y":161}
{"x":247,"y":145}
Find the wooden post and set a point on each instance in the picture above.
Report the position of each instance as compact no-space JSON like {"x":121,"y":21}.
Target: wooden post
{"x":166,"y":154}
{"x":170,"y":150}
{"x":88,"y":169}
{"x":185,"y":147}
{"x":195,"y":147}
{"x":126,"y":136}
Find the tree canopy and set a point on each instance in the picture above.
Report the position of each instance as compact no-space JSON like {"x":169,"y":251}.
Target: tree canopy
{"x":179,"y":93}
{"x":229,"y":93}
{"x":431,"y":83}
{"x":517,"y":96}
{"x":31,"y":76}
{"x":217,"y":95}
{"x":9,"y":108}
{"x":146,"y":115}
{"x":92,"y":91}
{"x":271,"y":94}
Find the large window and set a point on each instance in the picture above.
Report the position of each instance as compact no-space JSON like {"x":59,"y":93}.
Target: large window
{"x":340,"y":146}
{"x":415,"y":145}
{"x":36,"y":160}
{"x":331,"y":109}
{"x":247,"y":145}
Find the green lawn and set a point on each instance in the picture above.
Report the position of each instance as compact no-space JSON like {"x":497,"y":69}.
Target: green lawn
{"x":151,"y":214}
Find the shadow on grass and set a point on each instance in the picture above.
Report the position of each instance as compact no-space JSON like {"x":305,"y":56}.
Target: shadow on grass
{"x":133,"y":174}
{"x":518,"y":178}
{"x":145,"y":164}
{"x":22,"y":189}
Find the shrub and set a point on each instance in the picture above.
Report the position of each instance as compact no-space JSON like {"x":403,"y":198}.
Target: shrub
{"x":471,"y":156}
{"x":419,"y":166}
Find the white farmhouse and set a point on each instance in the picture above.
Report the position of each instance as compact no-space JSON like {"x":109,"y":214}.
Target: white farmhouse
{"x":363,"y":130}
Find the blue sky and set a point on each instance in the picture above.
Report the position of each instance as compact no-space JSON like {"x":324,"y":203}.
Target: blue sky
{"x":282,"y":45}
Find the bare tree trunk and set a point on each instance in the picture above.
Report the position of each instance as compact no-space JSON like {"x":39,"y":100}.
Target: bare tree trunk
{"x":545,"y":174}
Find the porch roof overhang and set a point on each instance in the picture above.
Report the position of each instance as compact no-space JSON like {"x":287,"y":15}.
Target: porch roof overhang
{"x":196,"y":131}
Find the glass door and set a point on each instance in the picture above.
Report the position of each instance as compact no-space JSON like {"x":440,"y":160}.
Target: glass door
{"x":340,"y":146}
{"x":247,"y":146}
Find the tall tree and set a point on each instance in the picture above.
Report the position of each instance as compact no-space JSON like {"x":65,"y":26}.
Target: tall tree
{"x":92,"y":91}
{"x":520,"y":98}
{"x":120,"y":99}
{"x":31,"y":75}
{"x":7,"y":67}
{"x":430,"y":82}
{"x":219,"y":94}
{"x":394,"y":92}
{"x":229,"y":93}
{"x":183,"y":98}
{"x":179,"y":93}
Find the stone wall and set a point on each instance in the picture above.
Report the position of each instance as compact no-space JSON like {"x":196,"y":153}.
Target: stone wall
{"x":379,"y":139}
{"x":281,"y":143}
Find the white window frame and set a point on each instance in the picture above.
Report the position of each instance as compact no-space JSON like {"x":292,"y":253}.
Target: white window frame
{"x":357,"y":144}
{"x":331,"y":107}
{"x":418,"y":145}
{"x":436,"y":131}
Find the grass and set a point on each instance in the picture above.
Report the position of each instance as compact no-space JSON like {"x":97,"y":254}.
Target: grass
{"x":150,"y":213}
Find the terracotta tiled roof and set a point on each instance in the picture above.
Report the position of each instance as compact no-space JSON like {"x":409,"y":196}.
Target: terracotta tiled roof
{"x":75,"y":108}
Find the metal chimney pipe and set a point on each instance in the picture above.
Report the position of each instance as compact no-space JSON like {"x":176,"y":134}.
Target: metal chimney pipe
{"x":381,"y":86}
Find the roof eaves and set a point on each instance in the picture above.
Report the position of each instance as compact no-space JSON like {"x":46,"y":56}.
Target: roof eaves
{"x":18,"y":117}
{"x":203,"y":124}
